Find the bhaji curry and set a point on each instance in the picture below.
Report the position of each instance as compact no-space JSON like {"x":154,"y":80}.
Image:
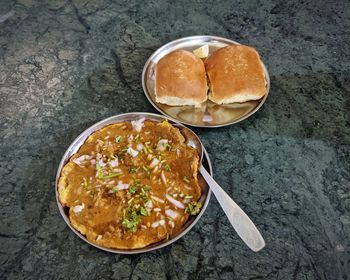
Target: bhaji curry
{"x":131,"y":184}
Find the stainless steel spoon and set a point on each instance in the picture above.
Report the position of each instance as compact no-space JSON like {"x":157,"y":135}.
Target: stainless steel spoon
{"x":244,"y":227}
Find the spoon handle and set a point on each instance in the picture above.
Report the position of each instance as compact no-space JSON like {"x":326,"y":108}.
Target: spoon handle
{"x":245,"y":228}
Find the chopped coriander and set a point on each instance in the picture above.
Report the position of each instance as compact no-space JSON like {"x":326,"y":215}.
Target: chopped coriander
{"x":193,"y":208}
{"x":133,"y":189}
{"x":112,"y":175}
{"x":131,"y":222}
{"x":137,"y":137}
{"x":99,"y":171}
{"x":167,"y":167}
{"x":145,"y":188}
{"x":145,"y":150}
{"x":118,"y":139}
{"x":188,"y":196}
{"x":147,"y":169}
{"x":122,"y":152}
{"x":143,"y":211}
{"x":133,"y":169}
{"x":100,"y":174}
{"x":186,"y":180}
{"x":114,"y":189}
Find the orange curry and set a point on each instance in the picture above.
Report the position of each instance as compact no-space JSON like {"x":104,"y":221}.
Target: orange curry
{"x":131,"y":184}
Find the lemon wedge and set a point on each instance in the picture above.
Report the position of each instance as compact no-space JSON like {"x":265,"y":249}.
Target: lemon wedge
{"x":202,"y":52}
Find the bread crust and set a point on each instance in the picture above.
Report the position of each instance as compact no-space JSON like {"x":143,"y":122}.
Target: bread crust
{"x":180,"y":79}
{"x":235,"y":74}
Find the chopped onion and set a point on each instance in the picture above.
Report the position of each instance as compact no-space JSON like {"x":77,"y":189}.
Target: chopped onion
{"x":130,"y":138}
{"x":162,"y":222}
{"x":149,"y":157}
{"x":149,"y":204}
{"x":114,"y":162}
{"x":132,"y":152}
{"x":80,"y":159}
{"x":78,"y":208}
{"x":163,"y":177}
{"x":93,"y":162}
{"x":175,"y":202}
{"x":155,"y":224}
{"x":157,"y":199}
{"x":122,"y":186}
{"x":162,"y":144}
{"x":139,"y":146}
{"x":137,"y":125}
{"x":157,"y":209}
{"x":101,"y":163}
{"x":171,"y":213}
{"x":154,"y":162}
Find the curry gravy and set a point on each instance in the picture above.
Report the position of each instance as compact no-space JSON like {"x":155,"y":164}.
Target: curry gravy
{"x":131,"y":184}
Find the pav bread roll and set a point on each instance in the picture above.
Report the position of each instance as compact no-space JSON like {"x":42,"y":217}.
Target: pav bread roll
{"x":235,"y":74}
{"x":180,"y":79}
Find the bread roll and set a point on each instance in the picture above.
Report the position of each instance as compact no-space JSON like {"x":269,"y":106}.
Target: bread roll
{"x":180,"y":79}
{"x":235,"y":74}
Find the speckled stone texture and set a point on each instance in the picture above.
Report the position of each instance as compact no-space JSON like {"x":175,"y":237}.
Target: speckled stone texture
{"x":65,"y":65}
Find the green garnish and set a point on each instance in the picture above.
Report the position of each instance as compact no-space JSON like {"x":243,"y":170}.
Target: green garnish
{"x":185,"y":179}
{"x":193,"y":208}
{"x":133,"y":189}
{"x":147,"y":169}
{"x":122,"y":152}
{"x":145,"y":189}
{"x":132,"y":216}
{"x":112,"y":175}
{"x":145,"y":150}
{"x":99,"y":171}
{"x":131,"y":221}
{"x":167,"y":167}
{"x":137,"y":137}
{"x":143,"y":211}
{"x":101,"y":176}
{"x":114,"y":189}
{"x":188,"y":196}
{"x":133,"y":169}
{"x":118,"y":139}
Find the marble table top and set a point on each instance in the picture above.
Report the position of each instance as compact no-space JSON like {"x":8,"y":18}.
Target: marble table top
{"x":66,"y":64}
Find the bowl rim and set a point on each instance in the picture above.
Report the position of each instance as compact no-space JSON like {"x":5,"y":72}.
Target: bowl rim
{"x":80,"y":140}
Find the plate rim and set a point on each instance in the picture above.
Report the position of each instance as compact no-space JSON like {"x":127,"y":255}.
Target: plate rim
{"x":207,"y":37}
{"x":82,"y":138}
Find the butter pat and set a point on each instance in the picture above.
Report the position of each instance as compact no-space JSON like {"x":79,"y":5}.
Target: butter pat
{"x":202,"y":52}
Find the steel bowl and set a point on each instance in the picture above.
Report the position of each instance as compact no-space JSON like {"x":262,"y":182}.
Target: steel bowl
{"x":79,"y":141}
{"x":209,"y":114}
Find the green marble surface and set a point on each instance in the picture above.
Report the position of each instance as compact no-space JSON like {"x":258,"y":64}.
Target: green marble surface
{"x":65,"y":65}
